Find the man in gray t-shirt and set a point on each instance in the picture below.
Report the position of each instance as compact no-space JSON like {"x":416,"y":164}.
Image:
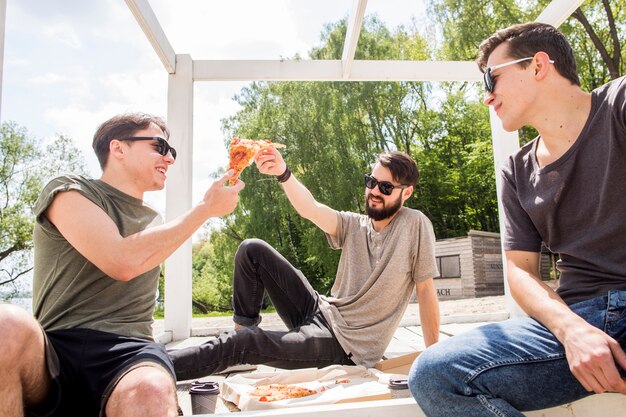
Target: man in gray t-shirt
{"x":385,"y":255}
{"x":567,"y":190}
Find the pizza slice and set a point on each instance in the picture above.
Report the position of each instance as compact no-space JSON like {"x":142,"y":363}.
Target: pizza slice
{"x":243,"y":151}
{"x":277,"y":392}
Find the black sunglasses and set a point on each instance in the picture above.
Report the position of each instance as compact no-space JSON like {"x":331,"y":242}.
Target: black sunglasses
{"x":162,"y":146}
{"x":490,"y":82}
{"x":385,"y":187}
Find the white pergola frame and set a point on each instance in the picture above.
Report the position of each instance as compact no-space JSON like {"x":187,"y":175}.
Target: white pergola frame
{"x":184,"y":71}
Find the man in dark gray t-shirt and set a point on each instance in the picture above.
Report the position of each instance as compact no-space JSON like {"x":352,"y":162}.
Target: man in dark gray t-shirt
{"x":566,"y":189}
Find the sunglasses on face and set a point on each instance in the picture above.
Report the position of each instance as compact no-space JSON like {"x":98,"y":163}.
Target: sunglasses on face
{"x":162,"y":146}
{"x":490,"y":82}
{"x":385,"y":187}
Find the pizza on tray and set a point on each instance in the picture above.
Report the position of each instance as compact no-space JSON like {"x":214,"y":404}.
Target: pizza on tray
{"x":277,"y":392}
{"x":243,"y":151}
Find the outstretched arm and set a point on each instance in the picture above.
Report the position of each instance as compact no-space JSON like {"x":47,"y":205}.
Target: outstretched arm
{"x":592,"y":354}
{"x":271,"y":162}
{"x":95,"y":236}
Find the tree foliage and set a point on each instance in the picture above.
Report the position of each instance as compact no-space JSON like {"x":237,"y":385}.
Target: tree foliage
{"x":334,"y":130}
{"x":596,"y":31}
{"x":25,"y":166}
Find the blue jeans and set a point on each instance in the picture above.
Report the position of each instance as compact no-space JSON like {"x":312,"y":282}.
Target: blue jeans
{"x":501,"y":369}
{"x":309,"y":342}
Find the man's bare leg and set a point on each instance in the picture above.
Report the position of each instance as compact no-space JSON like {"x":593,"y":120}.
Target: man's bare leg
{"x":145,"y":391}
{"x":25,"y":379}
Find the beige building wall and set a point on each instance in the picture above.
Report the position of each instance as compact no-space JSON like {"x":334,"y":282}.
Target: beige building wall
{"x":479,"y":271}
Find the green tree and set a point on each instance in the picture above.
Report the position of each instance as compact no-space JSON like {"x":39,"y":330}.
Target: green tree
{"x":457,"y":185}
{"x":25,"y":166}
{"x":212,"y":265}
{"x":333,"y":132}
{"x":596,"y":30}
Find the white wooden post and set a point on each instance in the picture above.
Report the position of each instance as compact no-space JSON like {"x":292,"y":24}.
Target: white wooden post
{"x":178,"y":198}
{"x":504,"y":143}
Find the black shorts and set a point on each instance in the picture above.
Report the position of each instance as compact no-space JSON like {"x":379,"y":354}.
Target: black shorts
{"x":85,"y":365}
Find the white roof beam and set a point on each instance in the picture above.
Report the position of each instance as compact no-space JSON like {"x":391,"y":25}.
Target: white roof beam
{"x":558,"y":11}
{"x":331,"y":70}
{"x":154,"y":32}
{"x":355,"y":22}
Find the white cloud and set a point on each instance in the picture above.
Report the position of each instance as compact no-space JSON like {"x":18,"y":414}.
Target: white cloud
{"x":48,"y":78}
{"x":72,"y":65}
{"x":144,"y":91}
{"x":17,"y":63}
{"x":63,"y":33}
{"x":240,"y":29}
{"x":80,"y":123}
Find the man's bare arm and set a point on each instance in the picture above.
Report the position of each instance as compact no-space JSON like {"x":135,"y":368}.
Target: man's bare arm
{"x":429,"y":310}
{"x":271,"y":162}
{"x":95,"y":236}
{"x":591,"y":353}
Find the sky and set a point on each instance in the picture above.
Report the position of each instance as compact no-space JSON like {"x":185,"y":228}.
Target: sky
{"x":71,"y":64}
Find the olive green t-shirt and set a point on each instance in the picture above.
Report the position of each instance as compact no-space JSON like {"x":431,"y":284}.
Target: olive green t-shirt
{"x":71,"y":292}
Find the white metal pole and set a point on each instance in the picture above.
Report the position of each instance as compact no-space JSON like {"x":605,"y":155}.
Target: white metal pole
{"x":179,"y":197}
{"x":504,"y":143}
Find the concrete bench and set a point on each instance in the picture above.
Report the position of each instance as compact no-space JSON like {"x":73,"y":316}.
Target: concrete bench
{"x":604,"y":405}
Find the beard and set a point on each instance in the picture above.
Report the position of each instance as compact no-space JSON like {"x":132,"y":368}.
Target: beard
{"x":385,"y":211}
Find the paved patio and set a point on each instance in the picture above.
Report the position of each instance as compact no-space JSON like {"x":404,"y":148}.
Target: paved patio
{"x":457,"y":316}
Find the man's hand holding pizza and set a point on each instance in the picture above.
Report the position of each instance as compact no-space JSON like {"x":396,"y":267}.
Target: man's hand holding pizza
{"x":220,"y":200}
{"x":269,"y":161}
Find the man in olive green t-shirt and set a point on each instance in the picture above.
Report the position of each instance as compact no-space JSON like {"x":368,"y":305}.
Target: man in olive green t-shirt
{"x":98,"y":248}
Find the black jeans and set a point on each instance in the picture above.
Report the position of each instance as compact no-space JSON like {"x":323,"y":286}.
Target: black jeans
{"x":309,"y":342}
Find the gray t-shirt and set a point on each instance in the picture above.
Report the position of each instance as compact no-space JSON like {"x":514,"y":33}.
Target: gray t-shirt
{"x":71,"y":292}
{"x":577,"y":204}
{"x":375,"y":279}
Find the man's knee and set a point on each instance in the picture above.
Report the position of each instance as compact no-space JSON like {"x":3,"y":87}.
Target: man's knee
{"x":146,"y":388}
{"x":425,"y":376}
{"x":251,"y":246}
{"x":24,"y":331}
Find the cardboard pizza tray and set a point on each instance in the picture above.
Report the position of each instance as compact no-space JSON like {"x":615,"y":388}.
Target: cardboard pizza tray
{"x":363,"y":385}
{"x":400,"y":365}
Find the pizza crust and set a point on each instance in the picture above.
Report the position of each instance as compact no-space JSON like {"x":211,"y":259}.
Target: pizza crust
{"x":242,"y":153}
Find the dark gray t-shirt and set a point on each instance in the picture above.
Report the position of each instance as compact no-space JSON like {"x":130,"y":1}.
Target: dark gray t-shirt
{"x":577,"y":204}
{"x":71,"y":292}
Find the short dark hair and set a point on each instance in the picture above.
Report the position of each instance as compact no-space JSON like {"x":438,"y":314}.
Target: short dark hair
{"x":122,"y":125}
{"x":526,"y":39}
{"x":403,"y":168}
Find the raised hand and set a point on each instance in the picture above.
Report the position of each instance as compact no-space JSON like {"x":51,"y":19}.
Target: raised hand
{"x":270,"y":162}
{"x":221,"y":200}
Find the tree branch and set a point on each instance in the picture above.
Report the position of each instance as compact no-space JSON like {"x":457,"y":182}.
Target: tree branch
{"x":617,"y":53}
{"x":7,"y":252}
{"x":580,"y":16}
{"x":16,"y":277}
